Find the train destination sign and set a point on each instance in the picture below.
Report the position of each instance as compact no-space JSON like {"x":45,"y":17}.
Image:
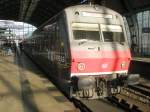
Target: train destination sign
{"x":100,"y":15}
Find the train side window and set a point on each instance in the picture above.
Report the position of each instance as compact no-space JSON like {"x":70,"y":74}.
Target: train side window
{"x":51,"y":32}
{"x":64,"y":39}
{"x":56,"y":35}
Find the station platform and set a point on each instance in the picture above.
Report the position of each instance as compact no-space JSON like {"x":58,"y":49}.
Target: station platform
{"x":23,"y":88}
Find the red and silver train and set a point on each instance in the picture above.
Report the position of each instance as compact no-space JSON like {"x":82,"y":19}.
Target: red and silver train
{"x":85,"y":49}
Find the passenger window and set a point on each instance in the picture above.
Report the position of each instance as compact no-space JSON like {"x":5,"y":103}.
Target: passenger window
{"x":112,"y":33}
{"x":83,"y":34}
{"x":86,"y":31}
{"x":113,"y":36}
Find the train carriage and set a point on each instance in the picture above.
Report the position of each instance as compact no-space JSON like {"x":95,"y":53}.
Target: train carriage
{"x":85,"y":49}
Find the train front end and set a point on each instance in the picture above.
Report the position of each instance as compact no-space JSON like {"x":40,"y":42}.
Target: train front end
{"x":100,"y":58}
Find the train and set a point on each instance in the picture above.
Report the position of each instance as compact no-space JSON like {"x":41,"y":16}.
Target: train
{"x":84,"y":48}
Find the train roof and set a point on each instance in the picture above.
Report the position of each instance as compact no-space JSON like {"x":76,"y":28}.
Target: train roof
{"x":92,"y":8}
{"x":84,"y":7}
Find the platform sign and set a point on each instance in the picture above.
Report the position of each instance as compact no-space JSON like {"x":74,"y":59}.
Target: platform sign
{"x":146,"y":30}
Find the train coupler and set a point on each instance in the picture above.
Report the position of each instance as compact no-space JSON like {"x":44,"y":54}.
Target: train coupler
{"x":133,"y":79}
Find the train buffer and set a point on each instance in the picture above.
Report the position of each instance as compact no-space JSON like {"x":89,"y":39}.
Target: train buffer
{"x":25,"y":89}
{"x":133,"y":79}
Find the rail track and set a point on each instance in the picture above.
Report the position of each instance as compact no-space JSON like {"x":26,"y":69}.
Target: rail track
{"x":124,"y":104}
{"x":114,"y":103}
{"x":133,"y":98}
{"x":136,"y":96}
{"x":138,"y":92}
{"x":102,"y":105}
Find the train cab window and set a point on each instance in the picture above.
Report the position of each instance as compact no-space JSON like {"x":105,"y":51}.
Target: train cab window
{"x":112,"y":33}
{"x":86,"y":31}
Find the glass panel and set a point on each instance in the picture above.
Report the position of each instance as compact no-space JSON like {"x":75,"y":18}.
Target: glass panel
{"x":112,"y":33}
{"x":100,"y":15}
{"x":113,"y":36}
{"x":85,"y":26}
{"x":86,"y":31}
{"x":83,"y":34}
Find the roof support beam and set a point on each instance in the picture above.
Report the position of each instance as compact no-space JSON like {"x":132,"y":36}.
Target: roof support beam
{"x":128,"y":6}
{"x":23,"y":8}
{"x":27,"y":8}
{"x":31,"y":8}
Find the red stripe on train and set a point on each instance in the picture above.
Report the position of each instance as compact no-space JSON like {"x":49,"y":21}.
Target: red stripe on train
{"x":100,"y":61}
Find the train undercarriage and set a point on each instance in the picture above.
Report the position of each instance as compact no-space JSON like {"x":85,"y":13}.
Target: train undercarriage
{"x":92,"y":87}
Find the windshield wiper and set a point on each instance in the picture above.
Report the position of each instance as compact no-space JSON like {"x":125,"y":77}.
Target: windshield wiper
{"x":122,"y":43}
{"x":82,"y":41}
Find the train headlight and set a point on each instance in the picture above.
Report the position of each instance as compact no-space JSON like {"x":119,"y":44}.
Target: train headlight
{"x":123,"y":65}
{"x":81,"y":66}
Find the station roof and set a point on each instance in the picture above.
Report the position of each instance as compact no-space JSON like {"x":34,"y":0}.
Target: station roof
{"x":36,"y":12}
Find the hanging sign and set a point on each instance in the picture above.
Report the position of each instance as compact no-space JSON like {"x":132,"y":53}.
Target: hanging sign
{"x":146,"y":30}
